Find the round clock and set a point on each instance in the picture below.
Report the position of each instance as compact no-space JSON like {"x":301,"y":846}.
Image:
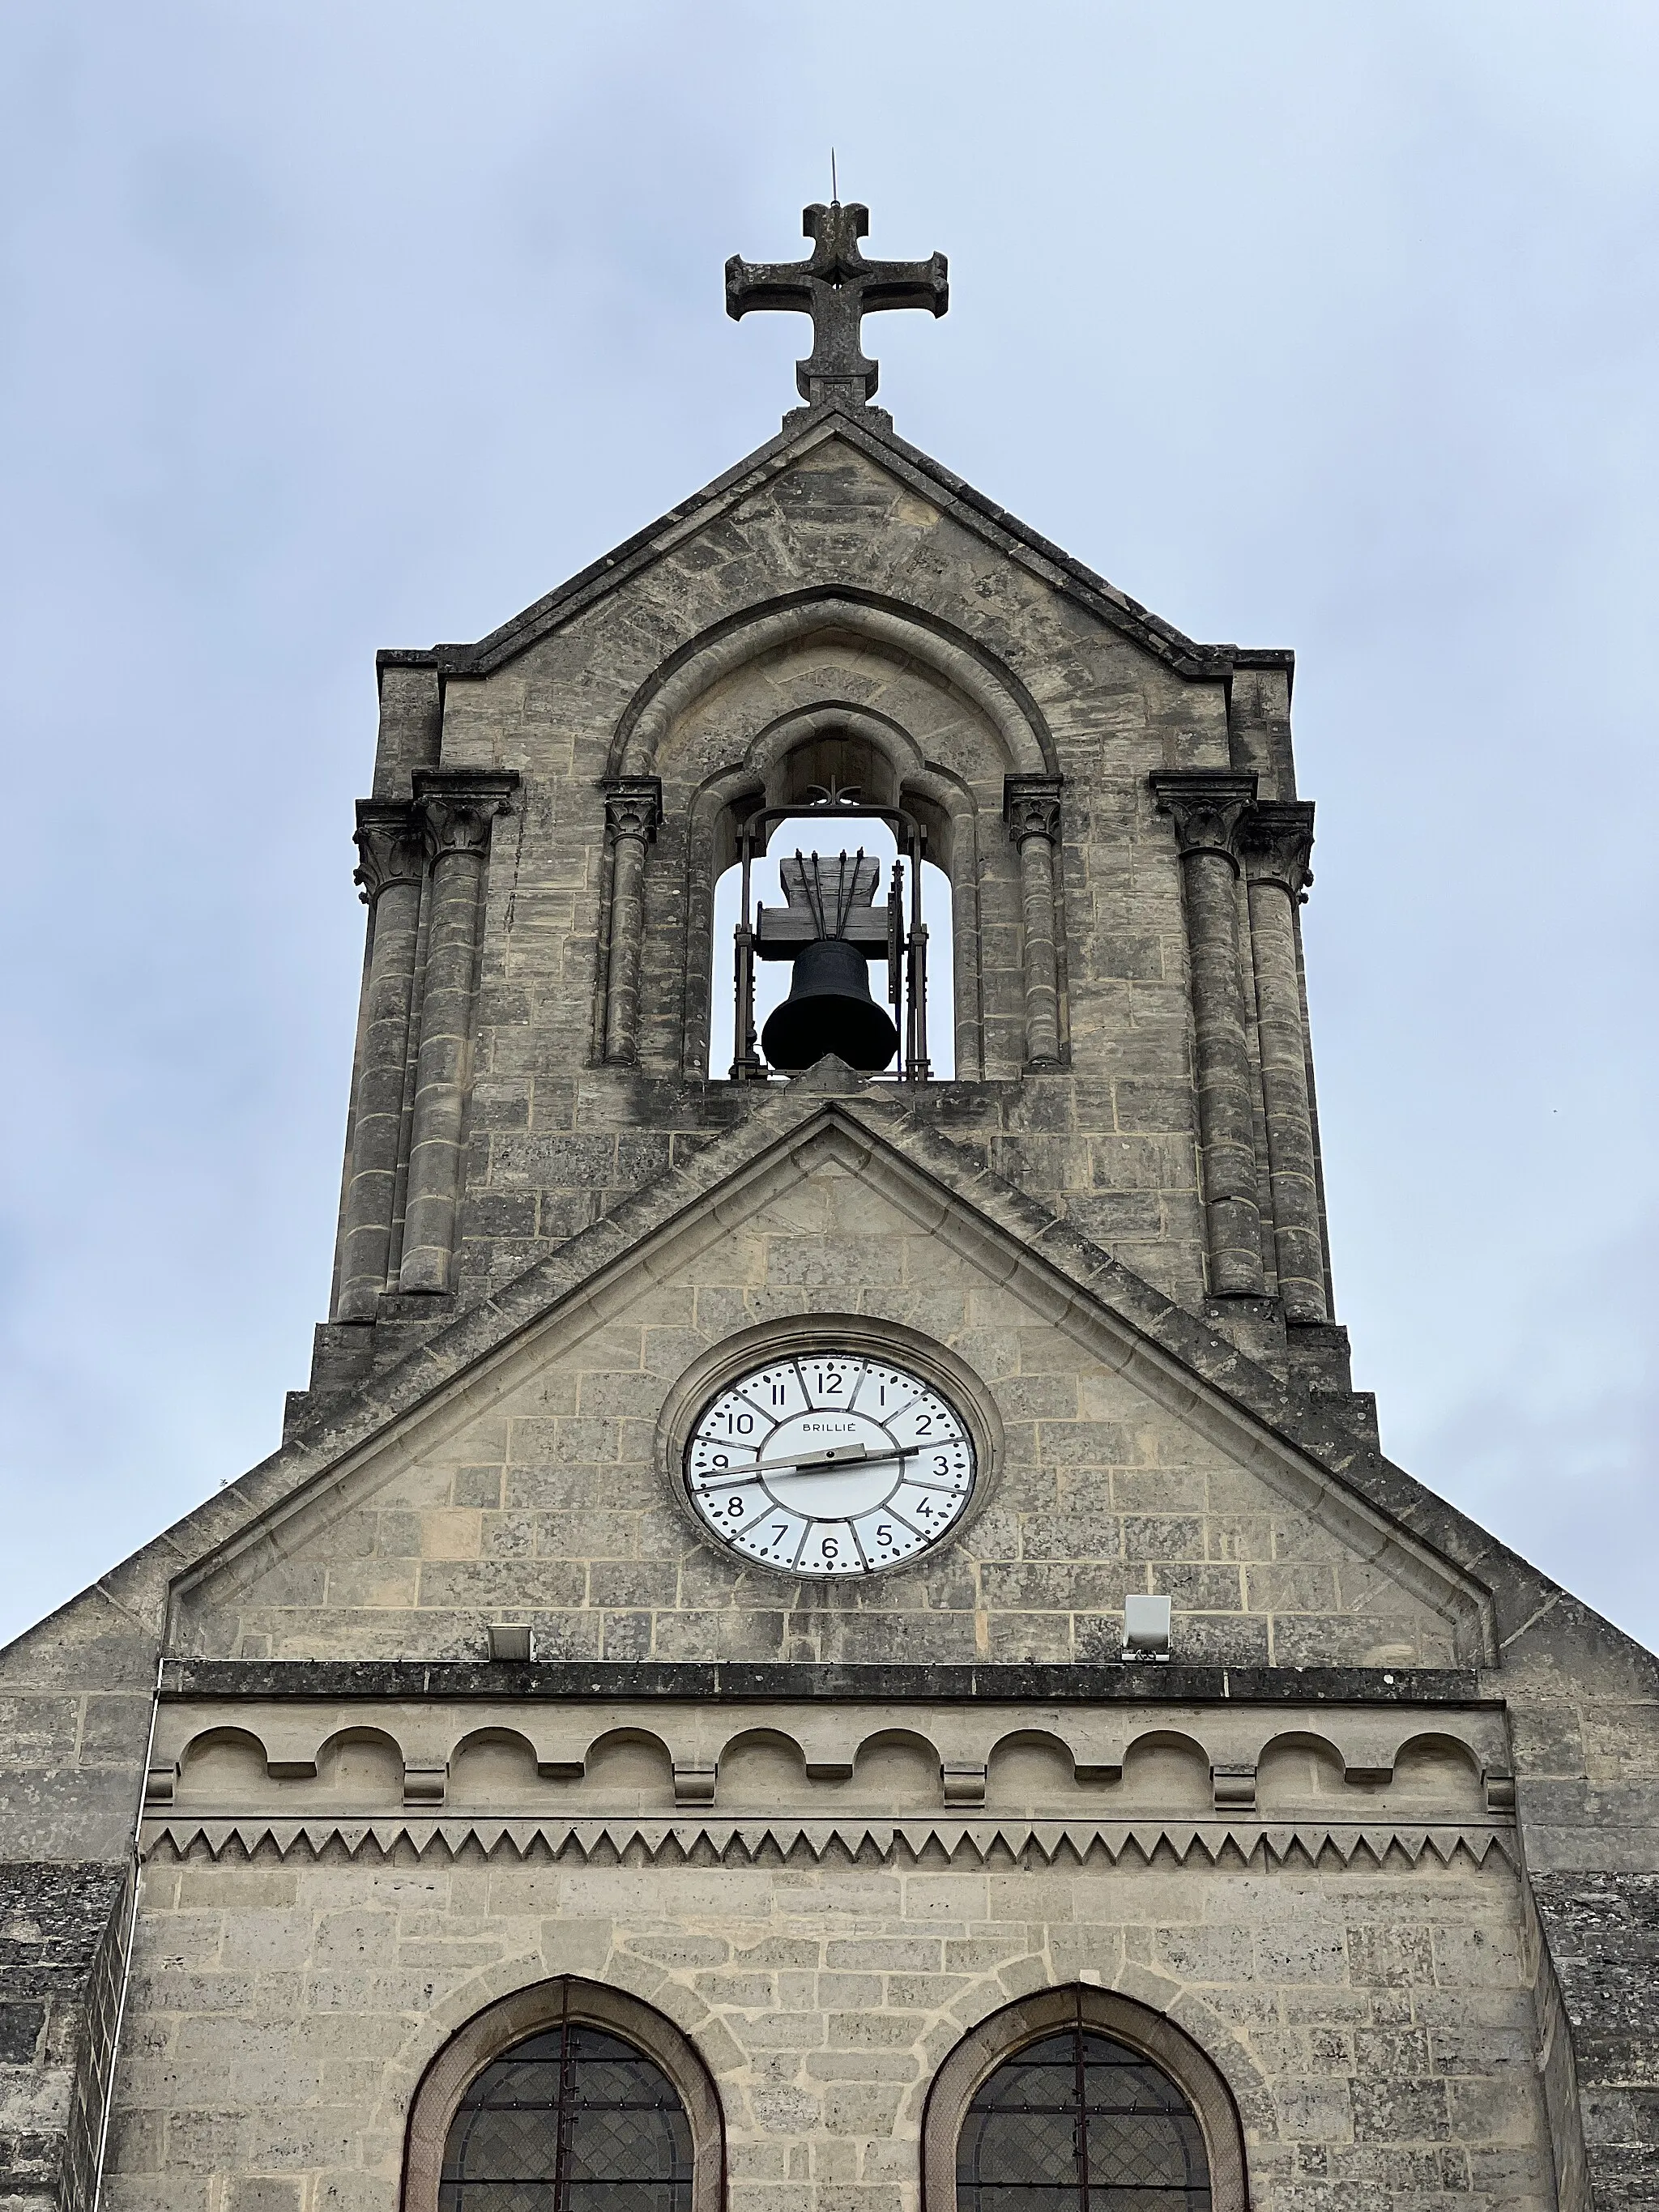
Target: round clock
{"x":829,"y":1464}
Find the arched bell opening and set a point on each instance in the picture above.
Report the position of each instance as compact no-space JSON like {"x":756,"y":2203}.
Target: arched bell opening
{"x":831,"y":779}
{"x":832,"y":888}
{"x":826,"y":689}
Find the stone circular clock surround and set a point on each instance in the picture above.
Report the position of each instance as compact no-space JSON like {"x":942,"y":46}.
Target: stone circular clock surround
{"x":877,"y":1356}
{"x":830,"y":1462}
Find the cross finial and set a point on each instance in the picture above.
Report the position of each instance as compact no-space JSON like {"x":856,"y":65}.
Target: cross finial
{"x":837,"y":286}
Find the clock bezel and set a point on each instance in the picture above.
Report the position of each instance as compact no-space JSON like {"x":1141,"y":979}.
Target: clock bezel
{"x":735,"y":1356}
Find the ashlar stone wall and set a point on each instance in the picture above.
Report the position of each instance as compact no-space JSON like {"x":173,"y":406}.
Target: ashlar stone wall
{"x":1372,"y":2023}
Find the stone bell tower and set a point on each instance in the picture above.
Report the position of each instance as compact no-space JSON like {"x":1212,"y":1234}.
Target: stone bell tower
{"x":829,"y":1635}
{"x":1114,"y":808}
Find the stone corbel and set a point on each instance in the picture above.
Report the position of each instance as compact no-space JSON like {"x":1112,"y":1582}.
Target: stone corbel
{"x":965,"y":1782}
{"x":632,"y":815}
{"x":1030,"y":807}
{"x":426,"y":1785}
{"x":693,"y":1784}
{"x":1206,"y":807}
{"x":1233,"y":1789}
{"x":1276,"y":839}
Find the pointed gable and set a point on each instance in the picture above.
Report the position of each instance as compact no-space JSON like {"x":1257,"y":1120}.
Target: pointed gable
{"x":538,"y":1482}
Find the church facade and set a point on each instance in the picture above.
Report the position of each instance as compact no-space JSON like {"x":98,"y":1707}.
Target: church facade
{"x":837,"y":1640}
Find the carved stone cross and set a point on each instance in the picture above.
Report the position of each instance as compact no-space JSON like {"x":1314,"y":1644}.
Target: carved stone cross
{"x":837,"y":286}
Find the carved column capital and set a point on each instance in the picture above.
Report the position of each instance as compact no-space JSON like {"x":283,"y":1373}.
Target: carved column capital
{"x":459,"y":805}
{"x":1030,"y":807}
{"x":1206,"y":805}
{"x":391,"y":841}
{"x":1276,"y":837}
{"x":633,"y":806}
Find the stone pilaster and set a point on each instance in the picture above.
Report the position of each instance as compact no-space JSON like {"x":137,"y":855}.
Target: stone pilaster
{"x":632,"y":811}
{"x":390,"y":840}
{"x":1030,"y":806}
{"x":1206,"y":807}
{"x":1276,"y":840}
{"x":457,"y":807}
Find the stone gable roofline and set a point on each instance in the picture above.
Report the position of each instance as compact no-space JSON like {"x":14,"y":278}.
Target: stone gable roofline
{"x":232,"y":1524}
{"x":870,"y":431}
{"x":1334,"y":1462}
{"x":1517,"y":1602}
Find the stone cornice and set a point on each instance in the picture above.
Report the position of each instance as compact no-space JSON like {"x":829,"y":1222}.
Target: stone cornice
{"x":702,"y":1682}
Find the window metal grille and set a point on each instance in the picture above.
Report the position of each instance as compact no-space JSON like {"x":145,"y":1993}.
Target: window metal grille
{"x":1077,"y":2122}
{"x":574,"y":2120}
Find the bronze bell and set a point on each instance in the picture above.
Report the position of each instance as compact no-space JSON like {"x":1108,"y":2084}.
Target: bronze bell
{"x":830,"y":1009}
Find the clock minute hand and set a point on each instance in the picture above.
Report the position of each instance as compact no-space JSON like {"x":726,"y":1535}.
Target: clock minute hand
{"x":827,"y":1462}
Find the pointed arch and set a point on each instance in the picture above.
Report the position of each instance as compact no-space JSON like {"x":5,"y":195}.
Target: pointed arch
{"x":567,"y":1999}
{"x":1151,"y":2035}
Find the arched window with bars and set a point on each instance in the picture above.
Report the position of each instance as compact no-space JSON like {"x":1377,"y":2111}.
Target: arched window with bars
{"x":1079,"y":2100}
{"x":572,"y":2120}
{"x":1079,"y":2122}
{"x":567,"y":2097}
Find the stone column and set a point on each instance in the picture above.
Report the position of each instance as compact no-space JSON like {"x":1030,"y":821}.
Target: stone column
{"x":1030,"y":806}
{"x":457,"y":807}
{"x":1206,"y":806}
{"x":633,"y":809}
{"x":391,"y":839}
{"x":1277,"y":839}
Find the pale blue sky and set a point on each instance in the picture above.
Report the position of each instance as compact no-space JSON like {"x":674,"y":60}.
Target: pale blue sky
{"x":340,"y":326}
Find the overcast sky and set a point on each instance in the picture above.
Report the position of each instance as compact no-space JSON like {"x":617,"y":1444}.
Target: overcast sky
{"x":348,"y":325}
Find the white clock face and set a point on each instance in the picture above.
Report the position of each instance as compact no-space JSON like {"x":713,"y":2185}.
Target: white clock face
{"x":829,"y":1464}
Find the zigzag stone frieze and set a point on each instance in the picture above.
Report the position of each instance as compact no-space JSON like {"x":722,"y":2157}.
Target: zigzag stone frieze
{"x":1008,"y":1844}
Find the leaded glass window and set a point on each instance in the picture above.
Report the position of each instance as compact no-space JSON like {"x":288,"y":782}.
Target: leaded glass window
{"x":574,"y":2120}
{"x":1078,"y":2123}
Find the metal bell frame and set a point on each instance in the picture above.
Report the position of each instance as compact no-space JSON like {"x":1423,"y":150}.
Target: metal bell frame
{"x":907,"y":951}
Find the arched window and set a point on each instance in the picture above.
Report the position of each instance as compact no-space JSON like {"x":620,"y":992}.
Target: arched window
{"x":1078,"y":2123}
{"x":575,"y":2120}
{"x":1080,"y":2101}
{"x":566,"y":2097}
